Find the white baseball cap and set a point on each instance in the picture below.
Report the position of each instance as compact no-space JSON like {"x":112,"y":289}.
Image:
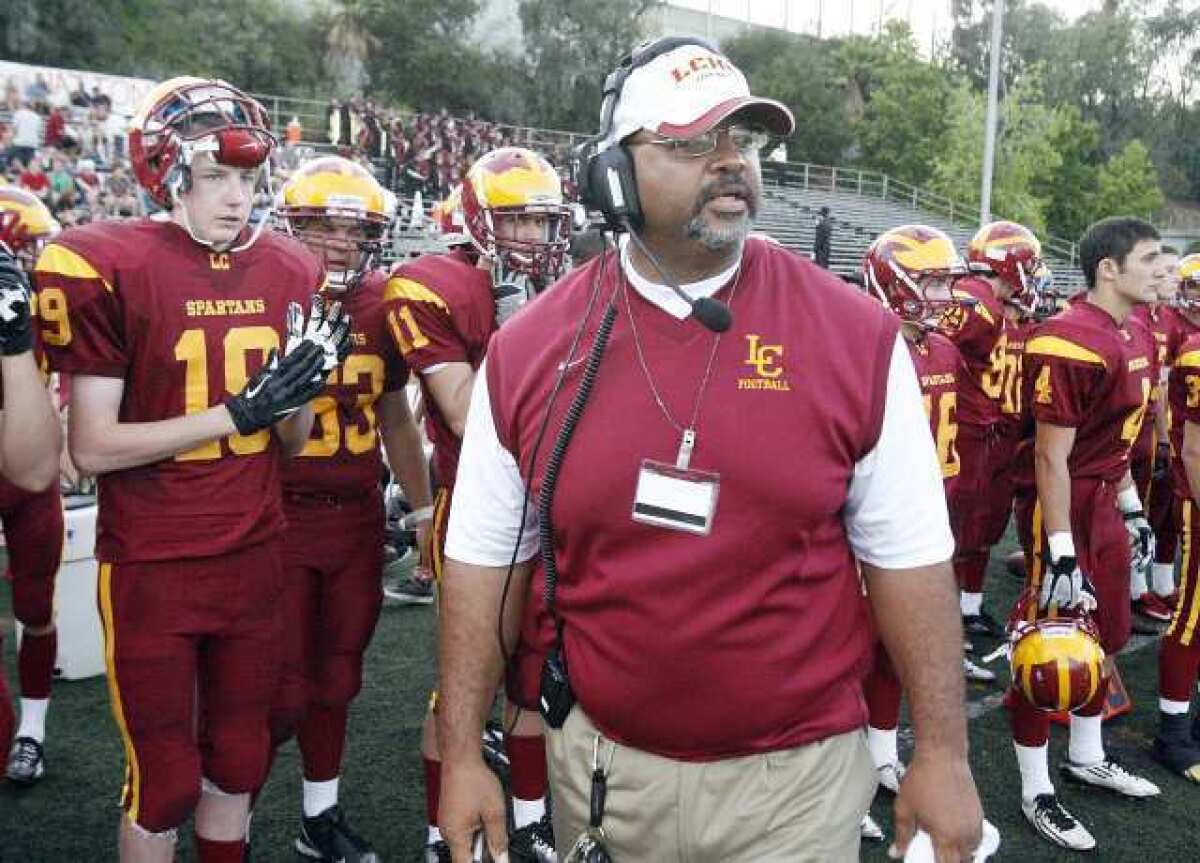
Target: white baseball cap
{"x":687,"y":91}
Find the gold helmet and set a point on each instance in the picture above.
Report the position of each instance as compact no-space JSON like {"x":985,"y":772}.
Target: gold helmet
{"x":25,"y":225}
{"x":1188,"y":273}
{"x":341,"y":212}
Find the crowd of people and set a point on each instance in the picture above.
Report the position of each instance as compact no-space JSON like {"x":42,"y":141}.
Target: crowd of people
{"x":581,"y":539}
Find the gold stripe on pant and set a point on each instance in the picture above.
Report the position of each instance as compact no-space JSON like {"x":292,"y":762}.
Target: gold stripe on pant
{"x":794,"y":805}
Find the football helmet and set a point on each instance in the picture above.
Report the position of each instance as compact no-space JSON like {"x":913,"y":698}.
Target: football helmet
{"x":513,"y":181}
{"x":25,"y":225}
{"x":333,"y":188}
{"x":1188,"y":296}
{"x":1011,"y":253}
{"x":1057,"y":662}
{"x":186,"y":116}
{"x":911,"y":269}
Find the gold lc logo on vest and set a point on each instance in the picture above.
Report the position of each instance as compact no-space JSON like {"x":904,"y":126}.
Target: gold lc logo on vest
{"x":767,"y":362}
{"x":219,"y":261}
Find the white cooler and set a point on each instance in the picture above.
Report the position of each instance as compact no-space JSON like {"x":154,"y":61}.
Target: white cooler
{"x":80,"y":640}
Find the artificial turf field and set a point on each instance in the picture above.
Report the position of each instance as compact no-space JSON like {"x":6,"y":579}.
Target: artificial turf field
{"x":71,"y":815}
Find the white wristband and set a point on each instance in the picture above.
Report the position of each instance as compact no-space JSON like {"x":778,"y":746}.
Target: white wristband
{"x":423,"y":514}
{"x":1128,"y":500}
{"x":1061,"y":545}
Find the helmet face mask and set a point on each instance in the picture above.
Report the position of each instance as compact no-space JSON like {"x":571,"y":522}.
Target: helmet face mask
{"x":348,"y":248}
{"x":912,"y":269}
{"x":1187,"y":297}
{"x":1013,"y":254}
{"x":507,"y":190}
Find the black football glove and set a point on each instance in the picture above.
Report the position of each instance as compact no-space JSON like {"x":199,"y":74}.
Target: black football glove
{"x":16,"y":324}
{"x":280,"y":388}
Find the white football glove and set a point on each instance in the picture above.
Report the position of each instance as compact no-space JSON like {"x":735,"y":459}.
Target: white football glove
{"x":510,"y":290}
{"x":1065,"y":586}
{"x":1141,"y":539}
{"x":327,"y":326}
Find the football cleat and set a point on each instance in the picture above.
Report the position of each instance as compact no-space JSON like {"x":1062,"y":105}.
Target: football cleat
{"x":1110,"y":776}
{"x":26,"y":762}
{"x":870,"y":829}
{"x":1055,"y":824}
{"x":438,"y":852}
{"x":982,"y":624}
{"x":408,"y":591}
{"x":1174,"y":748}
{"x":977,"y":673}
{"x":889,"y":776}
{"x":533,"y":843}
{"x":328,"y":836}
{"x":1152,"y":606}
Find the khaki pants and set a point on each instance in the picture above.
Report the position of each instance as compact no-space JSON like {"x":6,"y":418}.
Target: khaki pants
{"x":795,"y":805}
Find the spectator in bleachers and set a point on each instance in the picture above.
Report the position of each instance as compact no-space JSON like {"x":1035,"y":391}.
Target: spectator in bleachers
{"x":35,"y":179}
{"x":823,"y":238}
{"x":37,"y":94}
{"x":27,"y":133}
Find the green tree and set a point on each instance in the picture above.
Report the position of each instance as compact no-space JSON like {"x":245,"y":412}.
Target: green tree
{"x":1128,"y":184}
{"x":1071,"y":188}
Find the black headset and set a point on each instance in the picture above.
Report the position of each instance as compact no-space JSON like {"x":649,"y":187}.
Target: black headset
{"x":605,"y":178}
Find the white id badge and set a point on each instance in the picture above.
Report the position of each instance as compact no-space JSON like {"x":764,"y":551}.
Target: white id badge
{"x":676,"y":498}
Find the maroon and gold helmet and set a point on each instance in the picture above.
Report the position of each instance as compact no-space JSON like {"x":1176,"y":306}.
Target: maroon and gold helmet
{"x":513,"y":181}
{"x":186,"y":116}
{"x":1188,"y":274}
{"x":26,"y":225}
{"x":1057,"y":661}
{"x":1011,"y":253}
{"x":912,"y":269}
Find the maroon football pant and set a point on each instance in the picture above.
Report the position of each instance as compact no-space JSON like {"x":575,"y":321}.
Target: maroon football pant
{"x":7,"y":718}
{"x":437,"y":534}
{"x":1102,"y":549}
{"x":33,"y":531}
{"x":1158,"y":499}
{"x":1179,"y":650}
{"x":332,"y":560}
{"x":192,"y":653}
{"x":980,"y":500}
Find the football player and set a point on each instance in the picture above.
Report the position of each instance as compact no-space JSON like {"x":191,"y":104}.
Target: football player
{"x":1088,"y":382}
{"x":1004,"y":259}
{"x":30,"y":504}
{"x":190,"y":383}
{"x":1179,"y":653}
{"x":333,"y":549}
{"x":911,"y":269}
{"x":442,"y":310}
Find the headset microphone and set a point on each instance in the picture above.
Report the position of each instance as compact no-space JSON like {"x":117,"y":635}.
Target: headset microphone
{"x":712,"y":314}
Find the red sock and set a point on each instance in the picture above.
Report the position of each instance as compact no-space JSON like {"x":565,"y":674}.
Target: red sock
{"x":433,"y":788}
{"x":1030,"y":726}
{"x":526,"y":766}
{"x":1177,"y":668}
{"x":7,"y":720}
{"x":216,"y":851}
{"x":35,"y":663}
{"x":322,"y":737}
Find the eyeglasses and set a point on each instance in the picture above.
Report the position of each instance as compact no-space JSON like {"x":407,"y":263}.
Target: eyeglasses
{"x":744,"y":140}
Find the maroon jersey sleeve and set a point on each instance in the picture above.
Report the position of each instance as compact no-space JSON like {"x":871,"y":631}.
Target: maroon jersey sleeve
{"x":79,"y":313}
{"x":421,"y":323}
{"x":978,"y":323}
{"x":1185,"y":382}
{"x":1064,"y":376}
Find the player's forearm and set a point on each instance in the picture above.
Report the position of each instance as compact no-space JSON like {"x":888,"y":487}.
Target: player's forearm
{"x":406,"y":459}
{"x":1054,"y":490}
{"x":99,"y":447}
{"x":928,"y":656}
{"x":293,"y":432}
{"x":469,"y":660}
{"x":30,"y":437}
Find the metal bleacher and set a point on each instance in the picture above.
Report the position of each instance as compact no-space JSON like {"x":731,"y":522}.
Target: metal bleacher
{"x":863,"y":204}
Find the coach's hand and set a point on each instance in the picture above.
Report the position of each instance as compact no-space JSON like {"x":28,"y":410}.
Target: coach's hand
{"x":938,"y":794}
{"x":472,"y":800}
{"x":280,"y":388}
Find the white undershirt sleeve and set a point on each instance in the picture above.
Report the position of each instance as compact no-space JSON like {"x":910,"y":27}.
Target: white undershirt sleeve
{"x":485,"y":514}
{"x":896,"y":508}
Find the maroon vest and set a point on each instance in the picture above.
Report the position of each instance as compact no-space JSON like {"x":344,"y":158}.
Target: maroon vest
{"x":754,"y":637}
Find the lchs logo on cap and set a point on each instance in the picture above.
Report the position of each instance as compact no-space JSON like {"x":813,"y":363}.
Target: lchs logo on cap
{"x":767,"y":361}
{"x":699,"y":64}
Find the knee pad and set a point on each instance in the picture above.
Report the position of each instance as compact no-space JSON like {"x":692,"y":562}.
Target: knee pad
{"x":338,"y":681}
{"x":237,"y":763}
{"x":33,"y":601}
{"x":162,"y":806}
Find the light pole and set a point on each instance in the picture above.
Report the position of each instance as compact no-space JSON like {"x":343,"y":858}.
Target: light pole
{"x":989,"y":132}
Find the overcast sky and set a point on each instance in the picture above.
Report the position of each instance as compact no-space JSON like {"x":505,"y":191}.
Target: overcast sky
{"x":927,"y":17}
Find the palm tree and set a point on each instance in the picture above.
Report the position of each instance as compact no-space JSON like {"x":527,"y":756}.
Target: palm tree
{"x":348,"y":45}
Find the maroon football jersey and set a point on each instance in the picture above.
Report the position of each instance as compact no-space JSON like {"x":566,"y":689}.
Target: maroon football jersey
{"x":1090,"y":374}
{"x":1183,"y":396}
{"x":342,"y":456}
{"x":440,"y":310}
{"x":795,"y":399}
{"x":979,"y":332}
{"x":1140,"y":327}
{"x":937,"y":362}
{"x":1014,"y":410}
{"x":184,"y":328}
